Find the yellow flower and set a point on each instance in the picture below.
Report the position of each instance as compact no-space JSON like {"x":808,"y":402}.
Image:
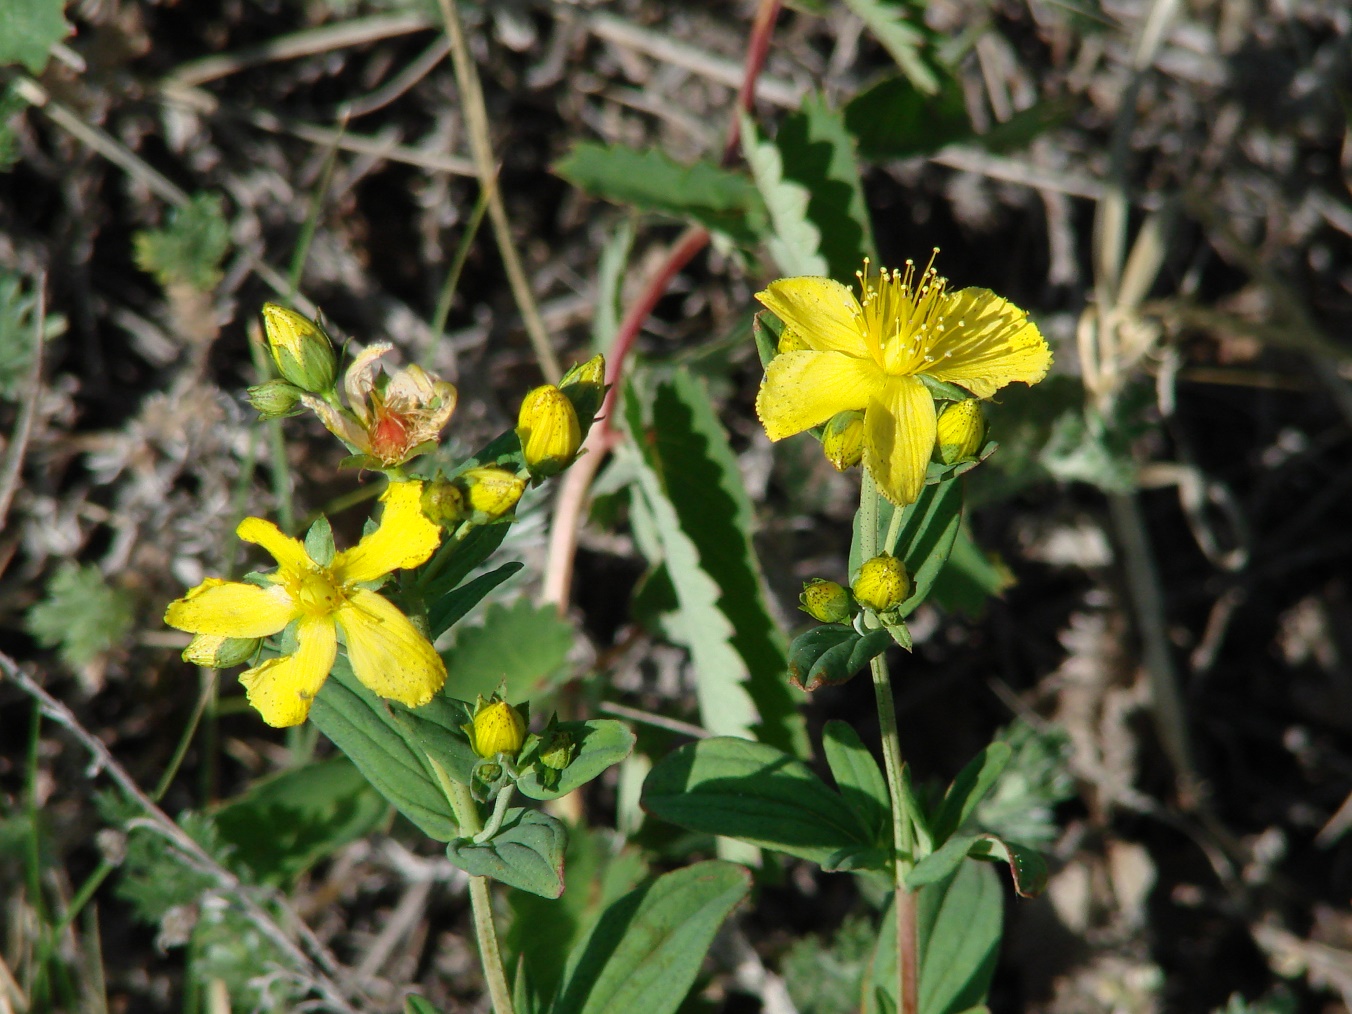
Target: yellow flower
{"x":390,"y":420}
{"x":869,"y":354}
{"x":387,"y":652}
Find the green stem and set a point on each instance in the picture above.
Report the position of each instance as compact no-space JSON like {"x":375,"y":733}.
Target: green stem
{"x":467,"y":816}
{"x":499,"y":812}
{"x":903,"y":832}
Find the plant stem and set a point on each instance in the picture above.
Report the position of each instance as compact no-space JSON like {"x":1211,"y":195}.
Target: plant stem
{"x":467,"y":816}
{"x":902,"y":832}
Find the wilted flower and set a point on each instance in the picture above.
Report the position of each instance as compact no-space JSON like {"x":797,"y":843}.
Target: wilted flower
{"x":388,"y":417}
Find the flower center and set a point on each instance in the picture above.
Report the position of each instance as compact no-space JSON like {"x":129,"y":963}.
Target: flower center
{"x":318,"y":594}
{"x":389,"y":437}
{"x":901,"y":318}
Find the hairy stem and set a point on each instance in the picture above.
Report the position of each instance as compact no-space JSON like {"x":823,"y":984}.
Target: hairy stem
{"x":467,"y":816}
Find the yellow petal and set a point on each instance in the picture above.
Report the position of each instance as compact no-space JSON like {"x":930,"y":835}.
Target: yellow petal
{"x":405,"y":538}
{"x":288,"y":552}
{"x":387,"y":652}
{"x":821,"y":312}
{"x":987,"y":342}
{"x":899,"y":430}
{"x":232,"y":609}
{"x":282,"y":689}
{"x":805,"y":389}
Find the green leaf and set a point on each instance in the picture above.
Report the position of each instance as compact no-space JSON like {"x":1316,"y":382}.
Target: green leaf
{"x":417,"y":1005}
{"x":28,"y":29}
{"x":451,"y":607}
{"x":905,"y":37}
{"x":832,"y":654}
{"x":942,"y":863}
{"x":285,"y":824}
{"x":959,"y":923}
{"x":364,"y":727}
{"x":18,"y":303}
{"x":970,"y":578}
{"x":1026,"y":866}
{"x":524,"y":644}
{"x":858,"y":777}
{"x":794,"y":241}
{"x":755,"y":793}
{"x":818,"y":153}
{"x":435,"y":731}
{"x":895,"y":119}
{"x":646,"y":949}
{"x":973,"y":784}
{"x":694,"y":490}
{"x":526,"y":853}
{"x":544,"y":931}
{"x":81,"y":615}
{"x":928,"y":529}
{"x":189,"y":250}
{"x":718,"y":199}
{"x":599,"y":742}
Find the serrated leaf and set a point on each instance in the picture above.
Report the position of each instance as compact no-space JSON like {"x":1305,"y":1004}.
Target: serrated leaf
{"x":364,"y":727}
{"x":794,"y":241}
{"x":720,"y":200}
{"x":832,"y":654}
{"x":599,"y":743}
{"x":81,"y":615}
{"x":526,"y":853}
{"x":523,"y":644}
{"x":754,"y":793}
{"x":646,"y":949}
{"x":285,"y":824}
{"x":18,"y":303}
{"x":28,"y":30}
{"x":905,"y":37}
{"x":818,"y":153}
{"x":895,"y":119}
{"x":694,"y":490}
{"x":857,"y":776}
{"x":973,"y":784}
{"x":190,"y":248}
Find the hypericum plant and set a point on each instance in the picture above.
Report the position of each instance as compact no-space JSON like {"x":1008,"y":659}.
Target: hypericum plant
{"x":891,"y":378}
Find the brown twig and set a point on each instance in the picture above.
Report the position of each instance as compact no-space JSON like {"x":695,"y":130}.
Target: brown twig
{"x":572,"y":499}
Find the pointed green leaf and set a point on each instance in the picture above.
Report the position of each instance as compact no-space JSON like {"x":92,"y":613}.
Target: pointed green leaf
{"x":600,"y":743}
{"x":973,"y":784}
{"x":646,"y":949}
{"x":832,"y":654}
{"x":928,"y":529}
{"x":526,"y":853}
{"x":858,"y":777}
{"x":970,"y":578}
{"x":721,"y":200}
{"x":1026,"y":866}
{"x":448,"y":609}
{"x":941,"y":864}
{"x":755,"y":793}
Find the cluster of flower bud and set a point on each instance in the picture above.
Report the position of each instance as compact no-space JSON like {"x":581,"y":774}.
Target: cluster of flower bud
{"x":881,"y":585}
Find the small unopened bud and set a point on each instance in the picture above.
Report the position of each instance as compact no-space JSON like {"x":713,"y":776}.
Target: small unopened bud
{"x":300,"y":348}
{"x":497,"y":728}
{"x":276,"y":399}
{"x":585,"y":386}
{"x":444,"y":503}
{"x":549,"y":432}
{"x":961,"y":431}
{"x":490,"y":492}
{"x":882,"y":584}
{"x":843,"y":439}
{"x":825,"y":601}
{"x":557,"y":750}
{"x":213,"y":651}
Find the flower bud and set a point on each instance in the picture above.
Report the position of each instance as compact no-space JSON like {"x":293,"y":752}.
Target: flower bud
{"x":882,"y":584}
{"x":444,"y":503}
{"x":548,"y":429}
{"x":490,"y":492}
{"x":300,"y":348}
{"x":843,"y":439}
{"x":497,"y":728}
{"x":557,"y":749}
{"x":961,"y":431}
{"x":825,"y":601}
{"x":214,"y":651}
{"x":585,"y":386}
{"x":276,"y":399}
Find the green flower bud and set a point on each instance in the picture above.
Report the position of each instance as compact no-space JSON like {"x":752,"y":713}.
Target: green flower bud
{"x":444,"y":503}
{"x":825,"y":601}
{"x":882,"y":584}
{"x":213,"y":651}
{"x":276,"y":399}
{"x":548,"y":428}
{"x":843,"y":439}
{"x":585,"y":386}
{"x":497,"y":728}
{"x":557,"y":750}
{"x":490,"y":492}
{"x":300,"y":348}
{"x":961,"y":431}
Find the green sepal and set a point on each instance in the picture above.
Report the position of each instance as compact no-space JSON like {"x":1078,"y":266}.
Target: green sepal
{"x":937,"y":472}
{"x":943,"y":390}
{"x":766,"y":329}
{"x":598,"y":743}
{"x":319,"y":542}
{"x":526,"y":853}
{"x":832,"y":653}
